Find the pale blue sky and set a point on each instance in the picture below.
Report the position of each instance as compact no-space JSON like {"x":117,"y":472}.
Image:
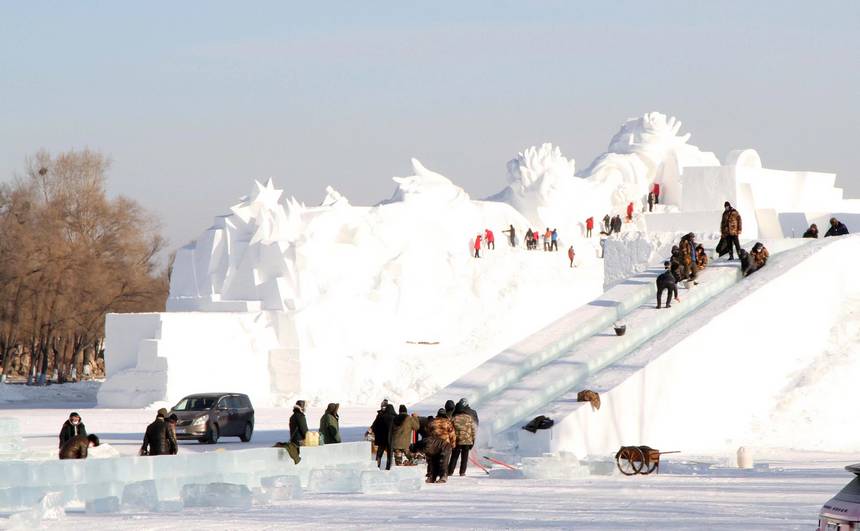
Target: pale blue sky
{"x":195,"y":99}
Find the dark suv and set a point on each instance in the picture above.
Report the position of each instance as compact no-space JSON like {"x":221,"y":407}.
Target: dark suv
{"x":209,"y":416}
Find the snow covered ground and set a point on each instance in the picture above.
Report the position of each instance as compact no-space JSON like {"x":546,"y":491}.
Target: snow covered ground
{"x":786,"y":496}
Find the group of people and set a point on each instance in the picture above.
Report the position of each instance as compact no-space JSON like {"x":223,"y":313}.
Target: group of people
{"x":487,"y":238}
{"x":159,"y":438}
{"x":686,"y":261}
{"x":837,"y":228}
{"x":550,"y":239}
{"x":441,"y":441}
{"x":610,"y":224}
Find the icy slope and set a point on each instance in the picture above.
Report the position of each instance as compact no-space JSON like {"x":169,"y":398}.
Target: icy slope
{"x":701,"y":388}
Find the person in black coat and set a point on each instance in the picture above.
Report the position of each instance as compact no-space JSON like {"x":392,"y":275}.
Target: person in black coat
{"x":666,"y":282}
{"x":159,"y":438}
{"x":298,"y":424}
{"x":449,"y":409}
{"x":837,"y":228}
{"x":383,"y":433}
{"x":72,"y":428}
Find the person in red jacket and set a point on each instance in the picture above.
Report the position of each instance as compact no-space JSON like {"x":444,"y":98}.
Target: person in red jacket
{"x":478,"y":246}
{"x":630,"y":212}
{"x":571,"y":254}
{"x":491,"y":239}
{"x":656,"y":191}
{"x":589,"y":224}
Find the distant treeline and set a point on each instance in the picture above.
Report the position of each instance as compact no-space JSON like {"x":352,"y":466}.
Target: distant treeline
{"x":69,"y":255}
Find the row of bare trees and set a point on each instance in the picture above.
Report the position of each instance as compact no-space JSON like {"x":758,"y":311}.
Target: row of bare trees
{"x":69,"y":254}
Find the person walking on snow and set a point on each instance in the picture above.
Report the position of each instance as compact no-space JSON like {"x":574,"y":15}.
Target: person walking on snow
{"x":443,"y":429}
{"x":491,"y":239}
{"x":656,"y":191}
{"x":477,"y":248}
{"x":383,"y":435}
{"x":650,"y":201}
{"x":607,"y":224}
{"x":553,"y":237}
{"x":731,"y":227}
{"x":589,"y":224}
{"x":72,"y":428}
{"x":464,"y":429}
{"x":512,"y":235}
{"x":570,"y":255}
{"x":546,"y":239}
{"x":630,"y":212}
{"x":837,"y":228}
{"x":529,"y":239}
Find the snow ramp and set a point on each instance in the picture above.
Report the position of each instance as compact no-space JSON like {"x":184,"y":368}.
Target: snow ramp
{"x":735,"y":369}
{"x":528,"y":378}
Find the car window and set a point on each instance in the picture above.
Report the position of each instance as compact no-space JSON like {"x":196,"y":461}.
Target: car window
{"x":234,"y":402}
{"x":224,"y":403}
{"x":245,"y":402}
{"x":194,"y":404}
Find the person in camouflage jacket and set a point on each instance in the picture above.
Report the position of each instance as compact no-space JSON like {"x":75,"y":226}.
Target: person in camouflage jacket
{"x":464,"y":428}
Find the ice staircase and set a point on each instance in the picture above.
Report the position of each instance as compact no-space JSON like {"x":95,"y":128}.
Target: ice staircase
{"x":533,"y":375}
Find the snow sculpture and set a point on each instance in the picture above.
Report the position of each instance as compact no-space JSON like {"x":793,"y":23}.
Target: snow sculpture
{"x":542,"y":186}
{"x":646,"y":150}
{"x":426,"y":187}
{"x":243,"y":261}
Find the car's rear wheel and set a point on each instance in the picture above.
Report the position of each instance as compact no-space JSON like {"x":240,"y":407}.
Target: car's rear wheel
{"x":213,"y":434}
{"x":246,"y":435}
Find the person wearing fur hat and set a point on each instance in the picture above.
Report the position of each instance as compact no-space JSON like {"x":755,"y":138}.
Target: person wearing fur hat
{"x":159,"y":439}
{"x":73,"y":427}
{"x":731,"y":226}
{"x":298,"y":424}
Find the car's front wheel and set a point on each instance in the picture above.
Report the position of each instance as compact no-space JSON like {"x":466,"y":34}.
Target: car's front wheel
{"x":246,"y":435}
{"x":212,"y":434}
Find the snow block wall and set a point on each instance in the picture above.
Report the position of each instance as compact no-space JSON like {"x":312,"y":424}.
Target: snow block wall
{"x":764,"y":364}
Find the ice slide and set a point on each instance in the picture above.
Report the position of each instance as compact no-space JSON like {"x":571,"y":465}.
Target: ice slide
{"x":544,"y":371}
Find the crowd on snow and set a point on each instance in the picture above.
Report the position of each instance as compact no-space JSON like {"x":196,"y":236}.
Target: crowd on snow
{"x":400,"y":437}
{"x":159,"y":438}
{"x":688,"y":258}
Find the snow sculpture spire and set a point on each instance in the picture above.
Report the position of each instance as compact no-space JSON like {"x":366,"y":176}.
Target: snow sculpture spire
{"x":262,"y":210}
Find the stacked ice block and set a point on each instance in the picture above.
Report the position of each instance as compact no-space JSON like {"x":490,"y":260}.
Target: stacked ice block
{"x":11,"y":442}
{"x":165,"y":483}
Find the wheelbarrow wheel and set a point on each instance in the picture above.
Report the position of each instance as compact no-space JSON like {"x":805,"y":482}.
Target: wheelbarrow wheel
{"x":650,"y":467}
{"x":630,"y":460}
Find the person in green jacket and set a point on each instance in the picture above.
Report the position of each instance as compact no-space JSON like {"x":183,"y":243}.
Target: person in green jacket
{"x":329,"y":425}
{"x":404,"y":426}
